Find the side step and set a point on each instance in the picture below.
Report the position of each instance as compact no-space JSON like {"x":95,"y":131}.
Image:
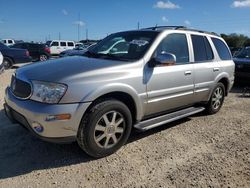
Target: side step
{"x":167,"y":118}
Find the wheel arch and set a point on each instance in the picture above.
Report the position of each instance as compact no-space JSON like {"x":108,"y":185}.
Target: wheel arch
{"x":123,"y":93}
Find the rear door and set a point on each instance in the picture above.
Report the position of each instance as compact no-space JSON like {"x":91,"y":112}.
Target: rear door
{"x":170,"y":87}
{"x":63,"y":46}
{"x":206,"y":68}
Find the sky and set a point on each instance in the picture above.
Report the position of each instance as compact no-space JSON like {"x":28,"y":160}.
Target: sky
{"x":36,"y":20}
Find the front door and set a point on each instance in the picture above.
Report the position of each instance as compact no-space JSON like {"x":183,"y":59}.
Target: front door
{"x":170,"y":87}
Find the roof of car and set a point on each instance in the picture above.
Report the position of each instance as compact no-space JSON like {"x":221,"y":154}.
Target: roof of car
{"x":182,"y":28}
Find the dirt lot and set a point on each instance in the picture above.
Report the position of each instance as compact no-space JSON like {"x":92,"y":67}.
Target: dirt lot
{"x":200,"y":151}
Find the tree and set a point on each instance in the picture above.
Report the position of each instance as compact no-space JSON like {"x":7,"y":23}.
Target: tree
{"x":236,"y":40}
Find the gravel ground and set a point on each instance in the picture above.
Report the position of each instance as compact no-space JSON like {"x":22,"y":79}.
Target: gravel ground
{"x":200,"y":151}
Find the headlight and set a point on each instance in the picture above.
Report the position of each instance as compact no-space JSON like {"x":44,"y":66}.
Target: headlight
{"x":47,"y":92}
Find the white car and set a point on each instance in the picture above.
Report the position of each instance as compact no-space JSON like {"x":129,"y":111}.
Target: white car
{"x":8,"y":42}
{"x":1,"y":63}
{"x":58,"y":46}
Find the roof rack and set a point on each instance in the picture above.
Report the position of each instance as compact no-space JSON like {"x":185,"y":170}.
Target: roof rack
{"x":165,"y":27}
{"x":179,"y":28}
{"x":200,"y":31}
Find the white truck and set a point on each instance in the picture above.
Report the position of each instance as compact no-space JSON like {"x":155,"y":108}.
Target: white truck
{"x":58,"y":46}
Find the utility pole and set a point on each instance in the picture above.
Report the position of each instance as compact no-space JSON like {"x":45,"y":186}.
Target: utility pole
{"x":59,"y":35}
{"x":138,"y":25}
{"x":78,"y":26}
{"x":87,"y":34}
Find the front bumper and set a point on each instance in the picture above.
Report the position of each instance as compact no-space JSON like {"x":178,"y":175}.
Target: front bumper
{"x":29,"y":113}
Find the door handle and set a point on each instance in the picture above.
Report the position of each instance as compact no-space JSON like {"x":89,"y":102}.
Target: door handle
{"x":216,"y":69}
{"x":188,"y":73}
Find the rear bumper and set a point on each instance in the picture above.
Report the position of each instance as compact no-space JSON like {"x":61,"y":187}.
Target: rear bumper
{"x":30,"y":113}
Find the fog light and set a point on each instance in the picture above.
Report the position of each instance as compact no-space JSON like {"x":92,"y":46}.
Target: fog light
{"x":58,"y":117}
{"x":37,"y":127}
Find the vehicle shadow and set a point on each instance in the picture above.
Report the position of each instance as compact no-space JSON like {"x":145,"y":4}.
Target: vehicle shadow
{"x":22,"y":153}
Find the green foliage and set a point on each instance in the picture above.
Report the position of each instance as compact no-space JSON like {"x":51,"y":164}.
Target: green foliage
{"x":236,"y":40}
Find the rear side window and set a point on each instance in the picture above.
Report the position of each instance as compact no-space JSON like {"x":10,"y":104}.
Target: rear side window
{"x":71,"y":44}
{"x":10,"y":41}
{"x":62,"y":43}
{"x":176,"y":44}
{"x":222,"y":49}
{"x":202,"y":49}
{"x":55,"y":44}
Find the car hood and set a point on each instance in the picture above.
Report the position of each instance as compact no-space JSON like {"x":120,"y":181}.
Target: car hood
{"x":66,"y":69}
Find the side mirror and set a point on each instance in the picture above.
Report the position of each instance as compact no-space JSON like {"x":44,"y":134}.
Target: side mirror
{"x":166,"y":59}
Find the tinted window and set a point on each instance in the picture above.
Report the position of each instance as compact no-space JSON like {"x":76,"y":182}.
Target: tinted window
{"x":10,"y":41}
{"x":55,"y":44}
{"x":63,"y":44}
{"x":70,"y":44}
{"x":175,"y":44}
{"x":210,"y":54}
{"x":244,"y":53}
{"x":222,"y":49}
{"x":202,"y":49}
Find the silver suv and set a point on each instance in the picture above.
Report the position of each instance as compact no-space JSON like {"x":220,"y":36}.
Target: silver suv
{"x":136,"y":79}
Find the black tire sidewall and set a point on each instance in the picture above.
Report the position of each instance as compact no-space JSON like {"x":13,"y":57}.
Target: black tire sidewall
{"x":210,"y":108}
{"x":9,"y":63}
{"x":89,"y":128}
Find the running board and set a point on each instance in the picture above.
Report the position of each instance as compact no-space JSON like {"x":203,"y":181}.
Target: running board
{"x":167,"y":118}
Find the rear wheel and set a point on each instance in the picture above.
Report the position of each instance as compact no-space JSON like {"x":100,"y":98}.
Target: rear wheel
{"x":43,"y":57}
{"x":7,"y":63}
{"x":217,"y":99}
{"x":105,"y":128}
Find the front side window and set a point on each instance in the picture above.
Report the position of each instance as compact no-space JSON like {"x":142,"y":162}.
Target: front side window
{"x":123,"y":46}
{"x":201,"y":48}
{"x":244,"y":53}
{"x":10,"y":41}
{"x":222,"y":49}
{"x":176,"y":44}
{"x":55,"y":44}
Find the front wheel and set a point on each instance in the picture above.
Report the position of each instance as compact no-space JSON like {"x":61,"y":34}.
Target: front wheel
{"x":105,"y":128}
{"x":216,"y":100}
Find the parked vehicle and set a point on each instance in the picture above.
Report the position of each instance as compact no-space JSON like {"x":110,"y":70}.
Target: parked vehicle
{"x":242,"y":65}
{"x":38,"y":52}
{"x":57,"y":46}
{"x":78,"y":51}
{"x":13,"y":56}
{"x":1,"y":63}
{"x":235,"y":51}
{"x":157,"y":75}
{"x":8,"y":42}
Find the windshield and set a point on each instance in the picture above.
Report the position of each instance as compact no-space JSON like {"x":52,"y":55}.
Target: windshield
{"x":48,"y":43}
{"x":125,"y":46}
{"x":244,"y":53}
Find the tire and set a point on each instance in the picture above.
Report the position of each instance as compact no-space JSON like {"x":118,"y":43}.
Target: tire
{"x":43,"y":57}
{"x":105,"y":128}
{"x":216,"y":100}
{"x":7,"y":63}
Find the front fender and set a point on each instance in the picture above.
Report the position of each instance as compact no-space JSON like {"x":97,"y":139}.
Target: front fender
{"x":139,"y":99}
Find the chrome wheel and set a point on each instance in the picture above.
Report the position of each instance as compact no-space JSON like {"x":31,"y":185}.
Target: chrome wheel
{"x":109,"y":129}
{"x":217,"y":98}
{"x":43,"y":57}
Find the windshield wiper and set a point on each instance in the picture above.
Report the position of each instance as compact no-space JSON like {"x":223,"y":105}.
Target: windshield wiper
{"x":91,"y":54}
{"x":111,"y":56}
